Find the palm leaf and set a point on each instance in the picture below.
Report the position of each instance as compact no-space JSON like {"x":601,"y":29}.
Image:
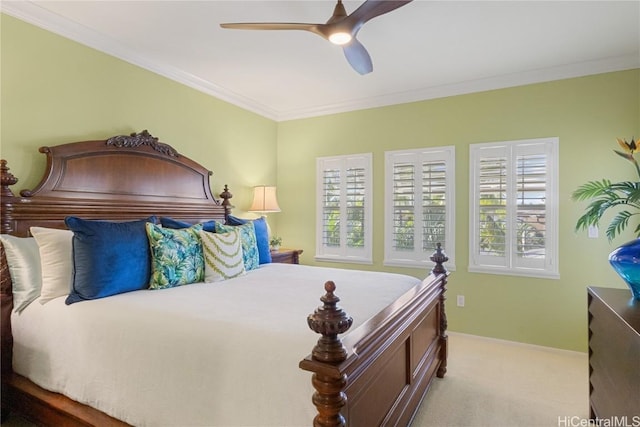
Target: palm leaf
{"x":634,"y":197}
{"x":591,"y":189}
{"x":618,"y":224}
{"x":592,"y":214}
{"x":630,"y":189}
{"x":625,"y":186}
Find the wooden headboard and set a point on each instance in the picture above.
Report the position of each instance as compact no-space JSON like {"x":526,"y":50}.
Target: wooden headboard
{"x":125,"y":177}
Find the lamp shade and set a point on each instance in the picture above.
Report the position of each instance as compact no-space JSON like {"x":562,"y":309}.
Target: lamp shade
{"x":264,"y":199}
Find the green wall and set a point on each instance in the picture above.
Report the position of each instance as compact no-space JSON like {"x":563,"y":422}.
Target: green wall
{"x":587,"y":114}
{"x":55,"y":90}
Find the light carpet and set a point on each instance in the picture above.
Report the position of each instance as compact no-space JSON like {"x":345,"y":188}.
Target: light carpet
{"x":499,"y":383}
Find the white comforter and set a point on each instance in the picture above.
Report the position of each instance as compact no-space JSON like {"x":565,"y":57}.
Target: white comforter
{"x":209,"y":354}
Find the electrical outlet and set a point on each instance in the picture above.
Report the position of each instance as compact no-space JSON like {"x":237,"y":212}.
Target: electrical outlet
{"x":460,"y":300}
{"x":593,"y":232}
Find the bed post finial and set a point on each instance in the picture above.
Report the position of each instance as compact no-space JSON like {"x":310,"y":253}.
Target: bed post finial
{"x":6,"y":180}
{"x":226,"y":195}
{"x":329,"y":320}
{"x":439,"y":258}
{"x":6,"y":195}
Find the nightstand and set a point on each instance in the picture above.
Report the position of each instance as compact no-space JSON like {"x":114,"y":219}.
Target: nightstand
{"x":286,"y":256}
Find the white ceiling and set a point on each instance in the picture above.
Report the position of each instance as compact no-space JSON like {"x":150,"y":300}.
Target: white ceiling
{"x":426,"y":49}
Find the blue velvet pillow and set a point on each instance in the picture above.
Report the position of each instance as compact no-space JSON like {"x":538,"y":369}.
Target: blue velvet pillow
{"x":109,"y":258}
{"x":262,"y":235}
{"x":168,"y":222}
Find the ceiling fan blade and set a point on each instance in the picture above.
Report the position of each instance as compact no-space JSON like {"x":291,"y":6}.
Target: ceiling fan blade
{"x":372,"y":8}
{"x":269,"y":26}
{"x":358,"y":57}
{"x":318,"y":29}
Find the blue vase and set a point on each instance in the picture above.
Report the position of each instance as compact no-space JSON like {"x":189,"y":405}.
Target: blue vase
{"x":625,"y":260}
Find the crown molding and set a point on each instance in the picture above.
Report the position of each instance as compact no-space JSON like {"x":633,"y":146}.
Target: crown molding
{"x":45,"y":19}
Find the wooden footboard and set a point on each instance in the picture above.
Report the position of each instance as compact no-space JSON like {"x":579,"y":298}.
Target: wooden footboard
{"x":378,"y":375}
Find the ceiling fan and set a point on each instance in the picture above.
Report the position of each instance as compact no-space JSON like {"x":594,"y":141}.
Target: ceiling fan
{"x":341,"y":29}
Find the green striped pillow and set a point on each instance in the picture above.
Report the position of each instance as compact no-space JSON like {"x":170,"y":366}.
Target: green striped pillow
{"x":249,"y":243}
{"x":222,"y":255}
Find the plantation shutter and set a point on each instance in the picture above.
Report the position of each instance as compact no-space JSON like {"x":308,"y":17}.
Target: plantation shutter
{"x":514,"y":186}
{"x":331,"y":208}
{"x":403,"y":206}
{"x":355,"y":201}
{"x":492,"y":227}
{"x":344,"y":208}
{"x":434,"y":205}
{"x":419,"y":188}
{"x":530,"y":205}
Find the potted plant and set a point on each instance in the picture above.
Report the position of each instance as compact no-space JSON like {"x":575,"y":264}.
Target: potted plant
{"x":623,"y":197}
{"x":275,"y":243}
{"x":605,"y":195}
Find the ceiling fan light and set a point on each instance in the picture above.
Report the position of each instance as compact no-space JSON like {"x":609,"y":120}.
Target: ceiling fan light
{"x":340,"y":38}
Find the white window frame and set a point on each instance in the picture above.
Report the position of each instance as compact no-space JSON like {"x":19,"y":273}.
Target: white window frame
{"x":344,"y":253}
{"x":510,"y":263}
{"x":417,"y":157}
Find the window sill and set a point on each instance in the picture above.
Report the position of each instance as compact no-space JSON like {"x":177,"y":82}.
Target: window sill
{"x":344,"y":260}
{"x":537,"y":274}
{"x":449,"y":265}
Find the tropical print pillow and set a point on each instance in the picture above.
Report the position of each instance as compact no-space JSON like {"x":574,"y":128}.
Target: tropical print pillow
{"x":249,"y":244}
{"x":176,"y":256}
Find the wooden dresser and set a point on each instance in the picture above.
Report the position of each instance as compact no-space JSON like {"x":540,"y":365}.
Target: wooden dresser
{"x":614,"y":354}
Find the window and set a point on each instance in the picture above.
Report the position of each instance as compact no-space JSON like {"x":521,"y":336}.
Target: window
{"x":344,"y":208}
{"x":419,"y":206}
{"x":514,"y":208}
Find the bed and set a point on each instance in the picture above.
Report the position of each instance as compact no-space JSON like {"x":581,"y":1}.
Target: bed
{"x":371,"y":364}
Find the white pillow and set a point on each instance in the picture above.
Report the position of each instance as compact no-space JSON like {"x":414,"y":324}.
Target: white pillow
{"x":56,"y":261}
{"x":222,"y":255}
{"x":23,"y":259}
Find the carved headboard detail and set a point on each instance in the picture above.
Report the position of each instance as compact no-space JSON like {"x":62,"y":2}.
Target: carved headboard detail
{"x":124,"y":177}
